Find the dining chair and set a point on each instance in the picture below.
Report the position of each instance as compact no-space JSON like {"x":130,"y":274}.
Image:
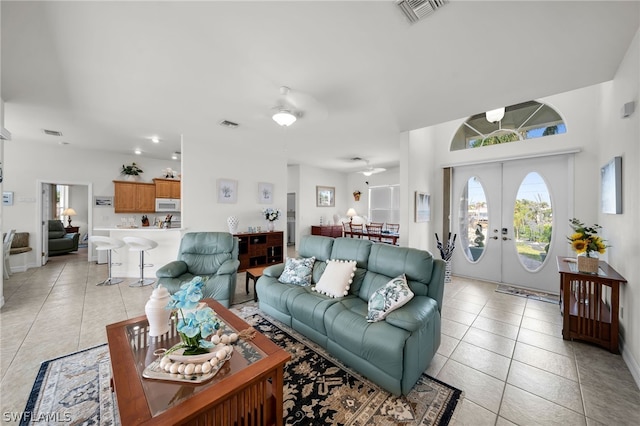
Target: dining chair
{"x":374,"y":232}
{"x":8,"y":239}
{"x":356,"y":229}
{"x":393,"y":227}
{"x":346,"y":229}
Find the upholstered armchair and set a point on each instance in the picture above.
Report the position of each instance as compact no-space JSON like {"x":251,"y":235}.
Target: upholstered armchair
{"x":61,"y":242}
{"x":211,"y":255}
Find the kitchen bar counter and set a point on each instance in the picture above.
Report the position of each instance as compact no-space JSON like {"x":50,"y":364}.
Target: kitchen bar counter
{"x":168,"y":244}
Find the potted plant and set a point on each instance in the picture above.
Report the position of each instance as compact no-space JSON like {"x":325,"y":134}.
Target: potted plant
{"x":131,"y":171}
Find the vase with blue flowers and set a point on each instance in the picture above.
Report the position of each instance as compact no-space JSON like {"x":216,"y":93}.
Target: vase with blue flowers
{"x":196,"y":323}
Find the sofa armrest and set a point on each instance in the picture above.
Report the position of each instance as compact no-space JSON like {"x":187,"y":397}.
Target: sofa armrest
{"x":172,"y":270}
{"x":414,"y":315}
{"x":75,"y":237}
{"x":274,"y":270}
{"x":228,"y":267}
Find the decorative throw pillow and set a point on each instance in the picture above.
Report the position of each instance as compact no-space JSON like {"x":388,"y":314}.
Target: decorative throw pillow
{"x":389,"y":297}
{"x":297,"y":271}
{"x":337,"y":278}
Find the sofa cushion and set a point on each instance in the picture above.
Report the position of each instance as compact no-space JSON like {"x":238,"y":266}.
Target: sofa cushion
{"x":318,"y":247}
{"x":297,"y":271}
{"x":380,"y":343}
{"x":391,"y":261}
{"x":276,"y":294}
{"x":309,"y":307}
{"x":393,"y":295}
{"x":204,"y":252}
{"x":353,"y":249}
{"x":337,"y":277}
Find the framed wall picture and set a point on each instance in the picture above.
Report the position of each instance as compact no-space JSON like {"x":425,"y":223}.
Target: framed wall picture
{"x":227,"y":191}
{"x":423,"y":207}
{"x":611,"y":186}
{"x":102,"y":201}
{"x":265,"y":193}
{"x":325,"y":196}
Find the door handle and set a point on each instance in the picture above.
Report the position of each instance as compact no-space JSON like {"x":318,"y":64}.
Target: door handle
{"x":495,"y":237}
{"x":505,"y":238}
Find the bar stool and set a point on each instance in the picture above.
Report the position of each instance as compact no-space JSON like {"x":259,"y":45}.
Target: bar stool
{"x":141,"y":244}
{"x":107,"y":244}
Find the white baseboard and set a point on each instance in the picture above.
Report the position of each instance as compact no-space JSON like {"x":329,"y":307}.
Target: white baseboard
{"x":19,"y":262}
{"x":631,"y":362}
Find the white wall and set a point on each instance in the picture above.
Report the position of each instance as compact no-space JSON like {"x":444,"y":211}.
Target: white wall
{"x":620,"y":137}
{"x":204,"y":162}
{"x":78,"y":196}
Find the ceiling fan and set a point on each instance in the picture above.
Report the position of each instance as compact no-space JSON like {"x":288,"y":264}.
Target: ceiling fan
{"x":369,"y":170}
{"x":293,"y":104}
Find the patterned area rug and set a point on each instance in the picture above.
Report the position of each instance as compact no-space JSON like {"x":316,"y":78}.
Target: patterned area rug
{"x":530,"y":294}
{"x":318,"y":388}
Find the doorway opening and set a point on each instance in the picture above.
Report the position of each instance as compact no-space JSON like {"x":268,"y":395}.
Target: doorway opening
{"x":70,"y":203}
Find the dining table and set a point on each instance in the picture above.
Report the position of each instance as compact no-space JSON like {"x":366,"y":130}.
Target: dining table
{"x":392,"y":237}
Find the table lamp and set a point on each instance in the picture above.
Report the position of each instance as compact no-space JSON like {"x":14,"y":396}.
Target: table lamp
{"x":69,"y":212}
{"x":351,"y":213}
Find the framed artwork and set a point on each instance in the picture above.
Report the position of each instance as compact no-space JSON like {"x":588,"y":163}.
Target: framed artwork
{"x":102,"y":201}
{"x":611,"y":186}
{"x":265,"y":193}
{"x":227,"y":191}
{"x":423,"y":207}
{"x":325,"y":196}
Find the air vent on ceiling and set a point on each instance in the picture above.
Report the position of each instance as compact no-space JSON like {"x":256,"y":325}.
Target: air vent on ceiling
{"x":227,"y":123}
{"x":415,"y":10}
{"x":52,"y":132}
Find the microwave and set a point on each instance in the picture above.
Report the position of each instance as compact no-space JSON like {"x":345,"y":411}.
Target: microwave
{"x":167,"y":204}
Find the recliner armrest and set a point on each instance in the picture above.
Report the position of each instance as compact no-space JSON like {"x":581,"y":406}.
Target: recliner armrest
{"x":414,"y":315}
{"x":228,"y":267}
{"x":172,"y":270}
{"x":274,"y":270}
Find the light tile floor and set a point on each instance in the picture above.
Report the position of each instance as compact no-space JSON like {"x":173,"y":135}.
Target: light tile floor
{"x":504,"y":351}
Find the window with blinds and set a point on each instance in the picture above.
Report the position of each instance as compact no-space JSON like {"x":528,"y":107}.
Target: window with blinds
{"x":384,"y":204}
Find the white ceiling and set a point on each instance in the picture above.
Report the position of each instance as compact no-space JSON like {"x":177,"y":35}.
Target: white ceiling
{"x":110,"y":75}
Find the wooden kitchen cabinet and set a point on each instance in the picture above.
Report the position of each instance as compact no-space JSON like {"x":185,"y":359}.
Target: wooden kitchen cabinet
{"x":134,"y":197}
{"x":167,"y":188}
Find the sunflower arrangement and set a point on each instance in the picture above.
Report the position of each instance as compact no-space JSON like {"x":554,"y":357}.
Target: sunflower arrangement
{"x":585,"y":239}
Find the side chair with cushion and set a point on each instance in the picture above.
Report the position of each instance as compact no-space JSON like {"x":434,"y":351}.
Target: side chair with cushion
{"x":61,"y":242}
{"x":210,"y":255}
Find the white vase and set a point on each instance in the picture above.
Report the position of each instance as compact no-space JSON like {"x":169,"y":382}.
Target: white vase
{"x":157,"y":313}
{"x":270,"y":226}
{"x":232,"y":223}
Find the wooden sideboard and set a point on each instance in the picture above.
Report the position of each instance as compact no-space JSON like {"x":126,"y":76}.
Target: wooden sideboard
{"x":334,"y":231}
{"x":590,"y":303}
{"x":260,"y":249}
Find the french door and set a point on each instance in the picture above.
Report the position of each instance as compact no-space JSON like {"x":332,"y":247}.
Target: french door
{"x":510,"y":219}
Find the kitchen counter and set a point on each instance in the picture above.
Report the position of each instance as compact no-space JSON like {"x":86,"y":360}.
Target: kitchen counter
{"x":168,"y":244}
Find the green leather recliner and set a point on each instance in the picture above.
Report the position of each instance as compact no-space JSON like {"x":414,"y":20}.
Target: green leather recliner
{"x":211,"y":255}
{"x":61,"y":242}
{"x":392,"y":353}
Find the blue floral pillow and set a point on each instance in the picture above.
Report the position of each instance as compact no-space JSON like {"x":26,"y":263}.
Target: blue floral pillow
{"x":297,"y":271}
{"x":389,"y":297}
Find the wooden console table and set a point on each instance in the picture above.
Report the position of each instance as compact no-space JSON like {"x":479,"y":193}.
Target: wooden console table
{"x":333,"y":231}
{"x":590,"y":303}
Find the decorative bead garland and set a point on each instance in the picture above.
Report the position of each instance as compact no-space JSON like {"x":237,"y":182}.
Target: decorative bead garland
{"x":223,"y":343}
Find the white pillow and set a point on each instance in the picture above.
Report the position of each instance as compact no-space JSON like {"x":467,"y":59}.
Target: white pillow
{"x":388,"y":298}
{"x":337,"y":277}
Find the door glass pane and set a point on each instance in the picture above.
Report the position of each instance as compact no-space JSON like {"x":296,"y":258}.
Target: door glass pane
{"x":473,"y":219}
{"x":532,"y":220}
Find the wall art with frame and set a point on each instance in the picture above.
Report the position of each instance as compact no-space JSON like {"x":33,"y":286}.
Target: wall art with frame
{"x":423,"y":207}
{"x":611,"y":186}
{"x":265,"y":193}
{"x":325,"y":196}
{"x":102,"y":201}
{"x":227,"y":190}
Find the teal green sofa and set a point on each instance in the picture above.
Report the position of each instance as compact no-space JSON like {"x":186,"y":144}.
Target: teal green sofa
{"x":392,"y":353}
{"x":211,"y":255}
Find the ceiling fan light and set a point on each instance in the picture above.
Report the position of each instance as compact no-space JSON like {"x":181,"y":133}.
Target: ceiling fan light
{"x":495,"y":115}
{"x":367,"y":173}
{"x":284,"y":118}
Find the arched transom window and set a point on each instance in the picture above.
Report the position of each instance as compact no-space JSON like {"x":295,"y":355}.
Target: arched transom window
{"x":514,"y":123}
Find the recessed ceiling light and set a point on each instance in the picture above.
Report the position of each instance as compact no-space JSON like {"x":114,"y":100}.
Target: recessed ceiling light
{"x":137,"y":152}
{"x":155,"y":139}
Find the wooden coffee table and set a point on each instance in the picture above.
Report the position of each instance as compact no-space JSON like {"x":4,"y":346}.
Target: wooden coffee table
{"x":246,"y":390}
